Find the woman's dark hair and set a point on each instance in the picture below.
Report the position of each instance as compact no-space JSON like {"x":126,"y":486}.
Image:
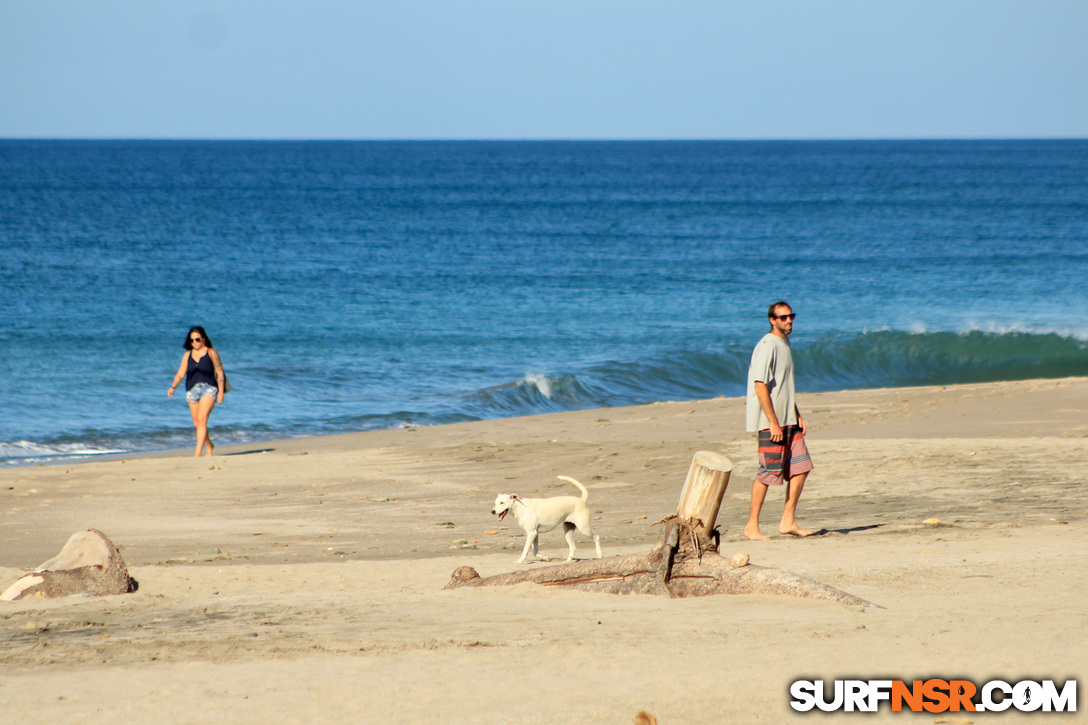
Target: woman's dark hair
{"x":197,"y":328}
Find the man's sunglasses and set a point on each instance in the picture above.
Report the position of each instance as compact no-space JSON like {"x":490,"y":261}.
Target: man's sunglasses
{"x":790,"y":316}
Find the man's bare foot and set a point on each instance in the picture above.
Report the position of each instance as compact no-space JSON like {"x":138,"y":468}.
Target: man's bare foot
{"x":795,"y":530}
{"x":754,"y":533}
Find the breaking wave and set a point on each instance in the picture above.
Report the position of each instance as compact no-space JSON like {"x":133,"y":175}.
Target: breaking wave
{"x":879,"y":359}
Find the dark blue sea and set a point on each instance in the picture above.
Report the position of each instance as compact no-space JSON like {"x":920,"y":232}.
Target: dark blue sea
{"x":351,"y":286}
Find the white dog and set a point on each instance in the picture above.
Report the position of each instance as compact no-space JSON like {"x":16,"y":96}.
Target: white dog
{"x":536,"y":515}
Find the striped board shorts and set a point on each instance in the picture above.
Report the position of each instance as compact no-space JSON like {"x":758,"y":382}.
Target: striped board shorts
{"x":774,"y":465}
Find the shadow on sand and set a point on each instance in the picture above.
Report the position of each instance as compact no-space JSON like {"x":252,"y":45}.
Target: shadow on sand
{"x":248,"y":453}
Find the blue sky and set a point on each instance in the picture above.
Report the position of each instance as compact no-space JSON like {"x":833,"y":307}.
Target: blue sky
{"x":536,"y":69}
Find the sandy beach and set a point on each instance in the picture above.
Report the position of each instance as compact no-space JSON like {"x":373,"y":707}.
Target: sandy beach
{"x":302,"y":580}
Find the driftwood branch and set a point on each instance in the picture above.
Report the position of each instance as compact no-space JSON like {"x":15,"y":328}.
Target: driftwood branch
{"x":689,"y":575}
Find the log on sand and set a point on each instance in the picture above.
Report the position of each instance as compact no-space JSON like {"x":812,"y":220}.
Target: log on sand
{"x":88,"y":564}
{"x":685,"y":561}
{"x":691,"y":575}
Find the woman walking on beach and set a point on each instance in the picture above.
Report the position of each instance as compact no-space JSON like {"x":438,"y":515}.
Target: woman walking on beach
{"x":204,"y":383}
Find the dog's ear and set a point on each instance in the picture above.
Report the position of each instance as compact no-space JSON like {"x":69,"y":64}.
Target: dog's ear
{"x":513,"y":496}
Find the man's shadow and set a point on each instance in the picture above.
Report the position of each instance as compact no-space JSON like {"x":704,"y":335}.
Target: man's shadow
{"x":852,"y":530}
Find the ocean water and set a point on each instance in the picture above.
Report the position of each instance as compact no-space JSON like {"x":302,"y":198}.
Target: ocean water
{"x":359,"y":285}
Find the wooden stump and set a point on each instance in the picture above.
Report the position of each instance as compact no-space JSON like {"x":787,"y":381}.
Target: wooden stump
{"x":702,"y":494}
{"x":701,"y":497}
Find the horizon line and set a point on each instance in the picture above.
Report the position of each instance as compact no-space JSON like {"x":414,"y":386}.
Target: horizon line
{"x":563,"y":139}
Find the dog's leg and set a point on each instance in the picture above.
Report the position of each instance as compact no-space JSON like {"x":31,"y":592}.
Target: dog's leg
{"x":568,"y":532}
{"x":530,"y":543}
{"x":587,"y":531}
{"x":585,"y":528}
{"x":536,"y":541}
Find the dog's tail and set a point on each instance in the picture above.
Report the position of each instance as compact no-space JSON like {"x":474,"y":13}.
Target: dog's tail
{"x":585,"y":493}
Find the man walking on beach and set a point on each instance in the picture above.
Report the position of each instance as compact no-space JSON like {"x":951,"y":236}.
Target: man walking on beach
{"x":772,"y":411}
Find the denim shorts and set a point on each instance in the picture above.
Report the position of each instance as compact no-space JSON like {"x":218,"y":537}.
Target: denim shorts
{"x":201,"y":390}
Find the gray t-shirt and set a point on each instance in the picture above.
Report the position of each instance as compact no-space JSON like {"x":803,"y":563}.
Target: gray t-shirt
{"x":772,"y":364}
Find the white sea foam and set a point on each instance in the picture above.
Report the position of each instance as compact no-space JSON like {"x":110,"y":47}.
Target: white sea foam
{"x":21,"y":452}
{"x":541,"y":382}
{"x":990,"y":327}
{"x":993,"y":327}
{"x":918,"y":328}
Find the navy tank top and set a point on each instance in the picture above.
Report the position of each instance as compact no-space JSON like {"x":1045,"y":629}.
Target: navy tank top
{"x":200,"y":371}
